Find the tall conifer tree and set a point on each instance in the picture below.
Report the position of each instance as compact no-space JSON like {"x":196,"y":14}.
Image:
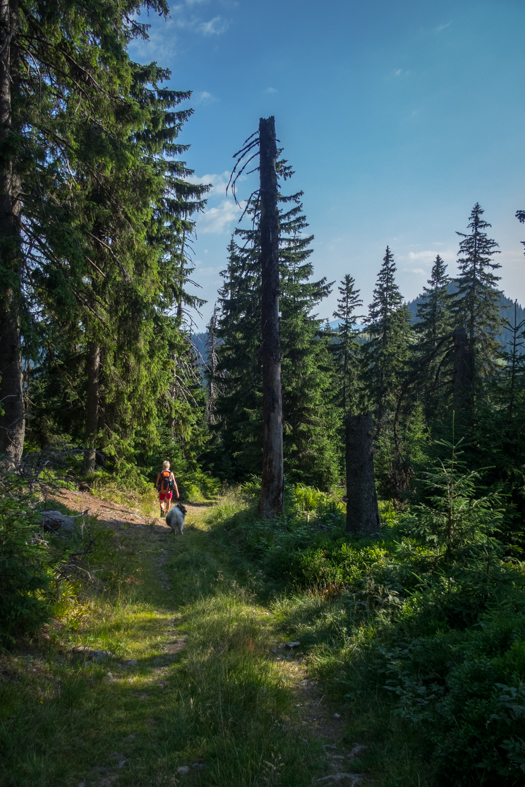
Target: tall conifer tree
{"x":387,"y":347}
{"x":310,"y":452}
{"x":111,"y":261}
{"x":432,"y":356}
{"x":346,"y":349}
{"x":476,"y":303}
{"x":62,"y":65}
{"x":385,"y":359}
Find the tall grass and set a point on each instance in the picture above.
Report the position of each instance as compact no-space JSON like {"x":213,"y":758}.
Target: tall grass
{"x":419,"y":631}
{"x":221,"y":706}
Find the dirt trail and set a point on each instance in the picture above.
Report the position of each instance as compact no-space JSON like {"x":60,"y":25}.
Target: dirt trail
{"x":113,"y":514}
{"x":321,"y":719}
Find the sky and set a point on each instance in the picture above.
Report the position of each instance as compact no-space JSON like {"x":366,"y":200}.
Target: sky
{"x":397,"y":117}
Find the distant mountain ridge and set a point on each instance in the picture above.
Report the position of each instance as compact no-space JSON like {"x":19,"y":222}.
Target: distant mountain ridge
{"x":506,"y":306}
{"x":505,"y":337}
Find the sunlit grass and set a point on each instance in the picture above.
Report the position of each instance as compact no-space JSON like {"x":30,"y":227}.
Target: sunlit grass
{"x":220,"y":703}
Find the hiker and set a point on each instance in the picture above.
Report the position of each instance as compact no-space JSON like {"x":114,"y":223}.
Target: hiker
{"x":166,"y":485}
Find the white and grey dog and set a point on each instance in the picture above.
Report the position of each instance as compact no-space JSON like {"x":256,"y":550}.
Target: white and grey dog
{"x":175,"y":518}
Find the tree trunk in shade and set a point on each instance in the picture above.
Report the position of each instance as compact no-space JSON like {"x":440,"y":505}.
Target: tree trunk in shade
{"x":462,"y":372}
{"x":12,"y":420}
{"x":93,"y":392}
{"x":362,"y":514}
{"x":272,"y":486}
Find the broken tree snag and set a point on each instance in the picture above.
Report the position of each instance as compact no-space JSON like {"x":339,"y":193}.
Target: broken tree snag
{"x":272,"y":486}
{"x":462,"y":372}
{"x":362,"y":515}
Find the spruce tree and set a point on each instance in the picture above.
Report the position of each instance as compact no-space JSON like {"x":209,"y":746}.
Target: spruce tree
{"x":386,"y":350}
{"x":239,"y":387}
{"x":131,"y":207}
{"x":311,"y":450}
{"x":385,"y":366}
{"x":476,"y":303}
{"x":432,"y":355}
{"x":62,"y":65}
{"x":346,"y":349}
{"x":310,"y":421}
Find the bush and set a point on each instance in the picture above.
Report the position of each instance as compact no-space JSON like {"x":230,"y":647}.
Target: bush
{"x":467,"y":690}
{"x":429,"y":616}
{"x":25,"y":574}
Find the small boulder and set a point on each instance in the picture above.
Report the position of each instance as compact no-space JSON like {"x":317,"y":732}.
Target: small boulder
{"x":55,"y":520}
{"x":93,"y":655}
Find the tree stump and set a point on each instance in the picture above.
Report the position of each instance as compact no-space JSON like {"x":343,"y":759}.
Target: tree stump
{"x":362,"y":515}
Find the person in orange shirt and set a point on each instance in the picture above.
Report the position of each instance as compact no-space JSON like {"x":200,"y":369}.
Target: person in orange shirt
{"x":166,"y":486}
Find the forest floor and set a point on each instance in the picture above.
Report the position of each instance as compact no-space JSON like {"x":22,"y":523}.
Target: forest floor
{"x":167,"y":672}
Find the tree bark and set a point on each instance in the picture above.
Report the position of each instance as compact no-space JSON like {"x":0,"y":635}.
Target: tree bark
{"x":462,"y":373}
{"x":93,"y":393}
{"x":12,"y":420}
{"x":211,"y":346}
{"x":272,"y":486}
{"x":362,"y":515}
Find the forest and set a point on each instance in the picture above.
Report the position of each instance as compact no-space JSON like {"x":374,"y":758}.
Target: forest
{"x":411,"y":615}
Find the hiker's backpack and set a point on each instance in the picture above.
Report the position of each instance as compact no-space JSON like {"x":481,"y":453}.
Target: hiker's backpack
{"x":165,"y":482}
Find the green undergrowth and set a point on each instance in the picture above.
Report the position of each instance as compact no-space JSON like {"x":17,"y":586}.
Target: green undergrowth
{"x":218,"y":705}
{"x":420,"y":631}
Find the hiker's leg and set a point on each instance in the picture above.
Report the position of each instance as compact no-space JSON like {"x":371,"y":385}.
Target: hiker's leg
{"x":168,"y":502}
{"x":161,"y":503}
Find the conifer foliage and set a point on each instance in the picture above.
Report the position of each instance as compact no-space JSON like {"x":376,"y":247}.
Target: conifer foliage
{"x":476,"y":304}
{"x":433,"y":354}
{"x":346,"y":349}
{"x":311,"y":452}
{"x":93,"y":254}
{"x":386,"y":350}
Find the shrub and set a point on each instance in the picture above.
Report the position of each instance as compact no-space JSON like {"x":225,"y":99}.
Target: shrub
{"x":25,"y":574}
{"x":467,"y":690}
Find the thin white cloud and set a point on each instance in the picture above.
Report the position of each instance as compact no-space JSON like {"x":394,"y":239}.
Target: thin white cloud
{"x":439,"y":28}
{"x":271,"y":90}
{"x":183,"y":18}
{"x":218,"y":220}
{"x":398,"y":72}
{"x":419,"y":271}
{"x":215,"y":27}
{"x":203,"y":97}
{"x":218,"y":183}
{"x":210,"y":271}
{"x":427,"y":257}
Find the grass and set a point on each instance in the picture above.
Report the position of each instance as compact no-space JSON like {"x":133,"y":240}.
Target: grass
{"x":426,"y":648}
{"x":220,"y":706}
{"x":200,"y":615}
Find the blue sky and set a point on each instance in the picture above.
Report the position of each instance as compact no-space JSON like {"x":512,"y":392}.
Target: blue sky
{"x":396,"y":116}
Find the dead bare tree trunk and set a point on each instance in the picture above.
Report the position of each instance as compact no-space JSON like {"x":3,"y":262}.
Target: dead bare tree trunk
{"x":93,"y":393}
{"x":12,"y":420}
{"x":272,"y":486}
{"x":362,"y":515}
{"x":211,"y":346}
{"x":462,"y":372}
